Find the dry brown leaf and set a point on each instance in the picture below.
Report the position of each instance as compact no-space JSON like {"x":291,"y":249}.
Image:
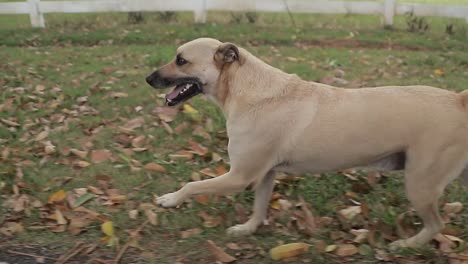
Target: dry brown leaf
{"x":309,"y":219}
{"x":350,"y":212}
{"x":219,"y":170}
{"x":453,"y":208}
{"x":208,"y":172}
{"x":9,"y":122}
{"x":100,"y":155}
{"x":209,"y":221}
{"x":132,"y":214}
{"x":219,"y":254}
{"x":134,"y":123}
{"x":190,"y":232}
{"x":41,"y":136}
{"x":154,"y":167}
{"x":361,"y":235}
{"x":198,"y":148}
{"x":60,"y":218}
{"x":95,"y":190}
{"x":346,"y":250}
{"x":288,"y":250}
{"x":445,"y":244}
{"x":57,"y":197}
{"x":330,"y":248}
{"x":152,"y":217}
{"x":79,"y":153}
{"x":166,"y":114}
{"x":202,"y":199}
{"x":181,"y":155}
{"x":11,"y":228}
{"x":233,"y":246}
{"x":139,"y":142}
{"x":81,"y":164}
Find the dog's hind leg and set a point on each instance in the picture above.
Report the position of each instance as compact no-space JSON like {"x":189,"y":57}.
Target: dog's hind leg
{"x":426,"y":177}
{"x":262,"y":200}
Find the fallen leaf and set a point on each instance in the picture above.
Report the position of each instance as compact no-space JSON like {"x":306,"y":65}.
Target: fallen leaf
{"x":445,"y":244}
{"x":95,"y":190}
{"x":209,"y":221}
{"x":83,"y":199}
{"x":202,"y":199}
{"x":346,"y":250}
{"x":361,"y":235}
{"x":198,"y":148}
{"x":288,"y":250}
{"x":108,"y":228}
{"x":9,"y":122}
{"x":309,"y":220}
{"x":60,"y":218}
{"x":43,"y":135}
{"x":134,"y":123}
{"x":57,"y":197}
{"x":350,"y":212}
{"x":152,"y":217}
{"x":233,"y":246}
{"x":139,"y":142}
{"x":101,"y":155}
{"x":79,"y":153}
{"x":132,"y":214}
{"x":81,"y":164}
{"x":190,"y":232}
{"x":154,"y":167}
{"x":192,"y":112}
{"x":218,"y":253}
{"x":11,"y":228}
{"x":330,"y":248}
{"x":453,"y":208}
{"x":438,"y":72}
{"x":181,"y":155}
{"x":166,"y":114}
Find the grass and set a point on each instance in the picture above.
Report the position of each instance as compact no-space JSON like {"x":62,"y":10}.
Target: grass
{"x":77,"y":53}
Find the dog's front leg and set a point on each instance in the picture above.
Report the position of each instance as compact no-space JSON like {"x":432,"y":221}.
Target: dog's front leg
{"x":262,"y":199}
{"x":233,"y":181}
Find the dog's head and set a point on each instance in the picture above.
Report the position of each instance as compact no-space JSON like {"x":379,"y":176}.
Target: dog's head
{"x":195,"y":69}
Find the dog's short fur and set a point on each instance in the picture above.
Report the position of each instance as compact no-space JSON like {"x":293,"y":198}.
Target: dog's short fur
{"x":278,"y":122}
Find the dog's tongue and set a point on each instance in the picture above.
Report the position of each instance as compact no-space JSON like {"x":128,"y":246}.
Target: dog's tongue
{"x":172,"y":95}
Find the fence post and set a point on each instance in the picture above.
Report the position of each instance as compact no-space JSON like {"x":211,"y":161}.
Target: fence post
{"x":200,"y":12}
{"x":35,"y":15}
{"x":389,"y":12}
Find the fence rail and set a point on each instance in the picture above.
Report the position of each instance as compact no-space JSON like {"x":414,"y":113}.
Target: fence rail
{"x":388,"y":8}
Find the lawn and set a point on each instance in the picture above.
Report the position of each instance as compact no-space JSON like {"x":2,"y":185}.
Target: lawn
{"x":86,"y":142}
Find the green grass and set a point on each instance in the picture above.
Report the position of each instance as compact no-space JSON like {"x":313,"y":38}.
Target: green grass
{"x":73,"y":54}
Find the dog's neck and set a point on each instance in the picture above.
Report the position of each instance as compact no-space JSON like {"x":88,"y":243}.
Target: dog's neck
{"x":269,"y":83}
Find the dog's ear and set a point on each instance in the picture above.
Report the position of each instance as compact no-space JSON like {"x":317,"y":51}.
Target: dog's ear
{"x":227,"y":53}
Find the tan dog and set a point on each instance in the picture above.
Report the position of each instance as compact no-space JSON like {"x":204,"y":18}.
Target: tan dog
{"x":278,"y":122}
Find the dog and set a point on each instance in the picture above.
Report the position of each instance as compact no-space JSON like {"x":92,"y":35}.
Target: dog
{"x":277,"y":122}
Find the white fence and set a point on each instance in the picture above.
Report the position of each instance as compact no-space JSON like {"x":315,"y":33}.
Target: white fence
{"x":388,"y":8}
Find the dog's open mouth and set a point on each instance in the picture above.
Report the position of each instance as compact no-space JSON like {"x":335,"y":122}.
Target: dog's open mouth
{"x":182,"y":92}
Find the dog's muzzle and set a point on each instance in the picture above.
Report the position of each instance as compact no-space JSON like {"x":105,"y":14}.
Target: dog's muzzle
{"x":185,"y":88}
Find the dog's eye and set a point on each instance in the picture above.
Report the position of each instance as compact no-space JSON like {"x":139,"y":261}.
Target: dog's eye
{"x":180,"y":61}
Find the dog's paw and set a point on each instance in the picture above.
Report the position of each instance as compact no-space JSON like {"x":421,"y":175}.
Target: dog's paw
{"x":169,"y":200}
{"x":240,"y":230}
